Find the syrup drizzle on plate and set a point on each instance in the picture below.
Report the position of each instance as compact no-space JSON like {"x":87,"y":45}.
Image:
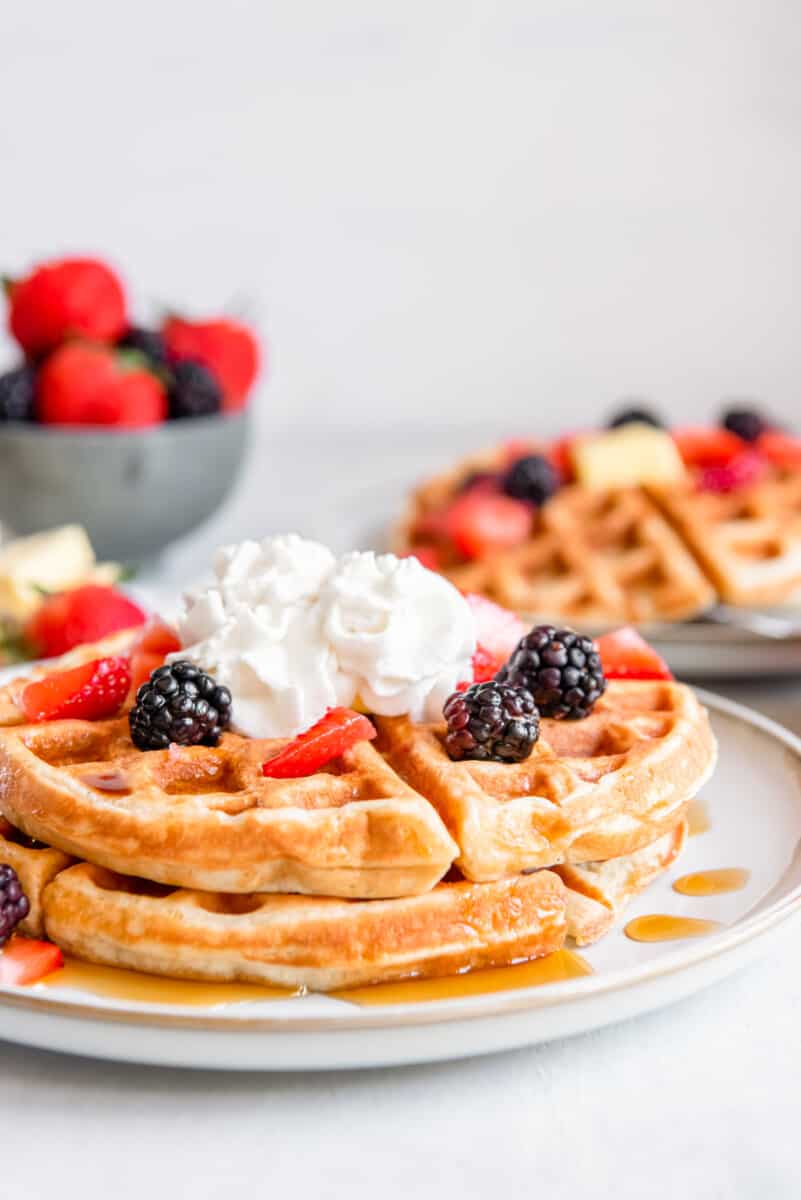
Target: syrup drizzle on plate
{"x":712,"y":883}
{"x":134,"y":986}
{"x":661,"y":927}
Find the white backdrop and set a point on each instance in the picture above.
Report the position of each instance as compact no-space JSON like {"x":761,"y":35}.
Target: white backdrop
{"x":442,"y":212}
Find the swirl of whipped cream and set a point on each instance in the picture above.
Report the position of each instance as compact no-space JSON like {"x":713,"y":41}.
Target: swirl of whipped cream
{"x":291,"y":632}
{"x":404,"y":635}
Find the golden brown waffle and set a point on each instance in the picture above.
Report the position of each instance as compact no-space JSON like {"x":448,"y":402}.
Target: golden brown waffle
{"x":598,"y":892}
{"x":593,"y":558}
{"x":591,"y":790}
{"x":207,"y":818}
{"x":300,"y":941}
{"x":322,"y":943}
{"x":748,"y":541}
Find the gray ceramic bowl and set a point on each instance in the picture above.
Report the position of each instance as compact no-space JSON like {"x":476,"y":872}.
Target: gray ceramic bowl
{"x":134,"y":491}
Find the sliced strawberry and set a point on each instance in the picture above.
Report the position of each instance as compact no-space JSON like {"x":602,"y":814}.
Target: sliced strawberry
{"x":479,"y":523}
{"x":560,"y":454}
{"x":84,"y":614}
{"x":148,"y":654}
{"x":24,"y":960}
{"x":701,"y":447}
{"x":428,"y":556}
{"x":627,"y":655}
{"x":497,"y":633}
{"x":90,"y":692}
{"x":329,"y":738}
{"x":748,"y":467}
{"x":781,"y":449}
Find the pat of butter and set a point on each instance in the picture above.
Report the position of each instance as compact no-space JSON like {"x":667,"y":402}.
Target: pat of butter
{"x":625,"y":457}
{"x":51,"y":561}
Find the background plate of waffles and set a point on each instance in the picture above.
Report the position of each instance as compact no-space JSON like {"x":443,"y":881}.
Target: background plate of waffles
{"x":720,"y":888}
{"x":691,"y":534}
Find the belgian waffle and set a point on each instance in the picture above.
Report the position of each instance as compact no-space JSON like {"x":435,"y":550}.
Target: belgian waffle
{"x":593,"y":558}
{"x":591,"y":790}
{"x":321,"y":943}
{"x":301,"y":941}
{"x":207,"y":818}
{"x":748,"y":541}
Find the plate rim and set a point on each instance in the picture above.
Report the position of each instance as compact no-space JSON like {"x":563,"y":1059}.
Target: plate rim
{"x":497,"y":1004}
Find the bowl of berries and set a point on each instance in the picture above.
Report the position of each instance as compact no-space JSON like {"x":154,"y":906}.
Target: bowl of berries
{"x":135,"y":433}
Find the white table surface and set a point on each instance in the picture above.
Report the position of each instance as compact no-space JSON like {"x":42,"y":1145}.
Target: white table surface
{"x":701,"y":1099}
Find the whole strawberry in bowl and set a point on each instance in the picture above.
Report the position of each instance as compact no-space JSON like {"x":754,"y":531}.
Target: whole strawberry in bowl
{"x":137,"y":432}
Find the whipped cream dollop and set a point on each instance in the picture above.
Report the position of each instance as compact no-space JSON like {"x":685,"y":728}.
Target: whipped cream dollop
{"x":291,"y":631}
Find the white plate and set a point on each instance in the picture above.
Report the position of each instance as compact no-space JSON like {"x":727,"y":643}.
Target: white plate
{"x":754,"y":804}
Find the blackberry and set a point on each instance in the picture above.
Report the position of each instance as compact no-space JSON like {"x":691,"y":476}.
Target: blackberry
{"x":491,"y":721}
{"x":531,"y":478}
{"x":746,"y":423}
{"x":18,"y":394}
{"x":148,"y":342}
{"x":638,"y":416}
{"x":179,"y":703}
{"x":560,"y":668}
{"x":14,"y":906}
{"x":193,"y":392}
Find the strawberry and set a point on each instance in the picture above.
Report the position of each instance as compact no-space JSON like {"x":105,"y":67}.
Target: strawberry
{"x":83,"y":614}
{"x":748,"y":467}
{"x":701,"y":447}
{"x":781,"y":449}
{"x":627,"y":655}
{"x":329,"y":738}
{"x":148,"y":654}
{"x":81,"y":384}
{"x":560,"y":454}
{"x":229,"y":350}
{"x":91,"y":692}
{"x":497,"y":633}
{"x":25,"y":961}
{"x":427,"y":556}
{"x":478,"y":523}
{"x":66,"y":298}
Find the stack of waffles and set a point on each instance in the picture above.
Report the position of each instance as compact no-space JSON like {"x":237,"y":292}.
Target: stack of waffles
{"x":391,"y":862}
{"x":639,"y":554}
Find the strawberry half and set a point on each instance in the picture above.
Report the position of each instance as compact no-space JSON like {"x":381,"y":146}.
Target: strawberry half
{"x":329,"y":738}
{"x":479,"y":522}
{"x":148,"y":654}
{"x":627,"y":655}
{"x":429,"y":557}
{"x":24,"y":961}
{"x":700,"y":447}
{"x":780,"y":449}
{"x":497,"y":633}
{"x":83,"y":614}
{"x":90,"y":692}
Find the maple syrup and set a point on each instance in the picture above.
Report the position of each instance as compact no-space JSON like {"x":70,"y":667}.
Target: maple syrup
{"x":660,"y":927}
{"x":117,"y":984}
{"x":698,"y":819}
{"x":713,"y":883}
{"x":112,"y":780}
{"x":553,"y":968}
